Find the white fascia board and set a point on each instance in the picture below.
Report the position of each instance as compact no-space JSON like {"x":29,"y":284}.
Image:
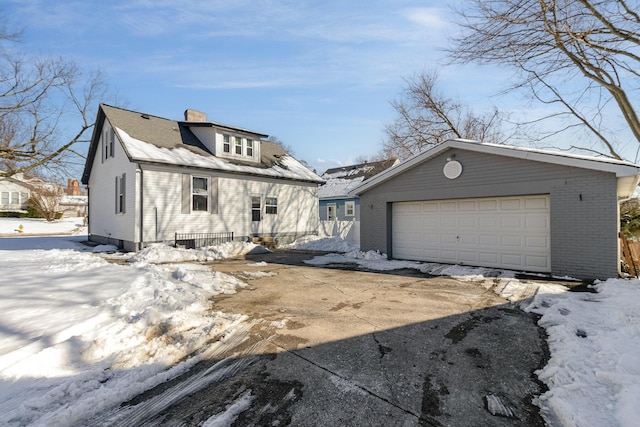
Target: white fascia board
{"x":620,"y":168}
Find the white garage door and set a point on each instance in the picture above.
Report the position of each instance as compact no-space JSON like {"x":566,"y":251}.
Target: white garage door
{"x":504,"y":232}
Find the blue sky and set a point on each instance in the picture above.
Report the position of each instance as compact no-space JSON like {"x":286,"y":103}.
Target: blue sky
{"x":319,"y":75}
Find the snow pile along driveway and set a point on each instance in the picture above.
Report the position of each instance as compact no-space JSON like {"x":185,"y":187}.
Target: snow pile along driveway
{"x":79,"y":335}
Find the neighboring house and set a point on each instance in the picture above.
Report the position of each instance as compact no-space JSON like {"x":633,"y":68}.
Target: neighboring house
{"x":149,"y":178}
{"x":339,"y":211}
{"x":14,"y":193}
{"x":73,"y":206}
{"x":500,"y":206}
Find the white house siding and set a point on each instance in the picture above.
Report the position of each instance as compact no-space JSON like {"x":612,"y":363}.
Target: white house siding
{"x":104,"y":225}
{"x":10,"y":190}
{"x":163,"y":215}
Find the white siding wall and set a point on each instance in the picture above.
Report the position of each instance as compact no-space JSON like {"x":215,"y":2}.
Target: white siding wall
{"x":103,"y":220}
{"x":163,"y":217}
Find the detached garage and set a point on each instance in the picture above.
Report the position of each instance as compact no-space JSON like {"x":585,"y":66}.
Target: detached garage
{"x":471,"y":203}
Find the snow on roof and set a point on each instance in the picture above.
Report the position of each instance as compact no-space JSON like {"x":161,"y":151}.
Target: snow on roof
{"x":288,"y":167}
{"x":340,"y":181}
{"x":338,"y":187}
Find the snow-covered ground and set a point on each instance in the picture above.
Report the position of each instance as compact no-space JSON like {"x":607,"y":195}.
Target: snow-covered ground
{"x":79,"y":335}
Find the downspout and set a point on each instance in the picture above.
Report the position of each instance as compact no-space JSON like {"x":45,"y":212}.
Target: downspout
{"x":140,"y":244}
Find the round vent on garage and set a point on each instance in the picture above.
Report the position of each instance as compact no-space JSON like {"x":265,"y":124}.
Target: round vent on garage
{"x":452,"y":169}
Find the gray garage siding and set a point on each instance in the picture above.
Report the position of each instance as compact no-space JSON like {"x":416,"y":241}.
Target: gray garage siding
{"x":584,"y":208}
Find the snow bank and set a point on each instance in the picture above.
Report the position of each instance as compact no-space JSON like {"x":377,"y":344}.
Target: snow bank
{"x":80,"y":335}
{"x":159,"y":252}
{"x":321,"y":244}
{"x":594,"y":371}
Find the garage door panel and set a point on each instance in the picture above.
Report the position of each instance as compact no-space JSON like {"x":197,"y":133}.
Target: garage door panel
{"x":490,"y":240}
{"x":467,"y":205}
{"x":536,"y":203}
{"x":511,"y":241}
{"x":491,"y":258}
{"x":507,"y":232}
{"x":511,"y":221}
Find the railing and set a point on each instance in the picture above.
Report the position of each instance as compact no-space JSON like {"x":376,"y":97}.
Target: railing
{"x":199,"y":240}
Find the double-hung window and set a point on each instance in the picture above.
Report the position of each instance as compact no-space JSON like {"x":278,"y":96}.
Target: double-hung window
{"x":226,"y":143}
{"x":256,"y":213}
{"x":199,"y":194}
{"x":250,"y":147}
{"x":121,"y":184}
{"x":350,"y":208}
{"x":238,"y":145}
{"x":109,"y":140}
{"x":271,"y":205}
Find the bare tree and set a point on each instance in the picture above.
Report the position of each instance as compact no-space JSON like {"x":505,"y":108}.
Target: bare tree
{"x":45,"y":198}
{"x":426,"y":117}
{"x":580,"y":56}
{"x":38,"y":98}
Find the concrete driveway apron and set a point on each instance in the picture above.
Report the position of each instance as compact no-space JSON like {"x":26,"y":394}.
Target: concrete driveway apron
{"x":336,"y":347}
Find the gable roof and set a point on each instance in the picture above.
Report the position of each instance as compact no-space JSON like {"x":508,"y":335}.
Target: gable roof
{"x":340,"y":181}
{"x":628,"y":173}
{"x":152,"y":139}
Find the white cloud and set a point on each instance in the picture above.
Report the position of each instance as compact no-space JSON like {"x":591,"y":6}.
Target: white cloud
{"x":428,"y":17}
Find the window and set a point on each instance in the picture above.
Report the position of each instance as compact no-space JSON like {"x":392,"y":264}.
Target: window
{"x":24,"y":197}
{"x":349,"y":208}
{"x":199,"y":194}
{"x":120,"y":193}
{"x":271,"y":205}
{"x":109,"y":143}
{"x":255,"y":208}
{"x":112,"y":138}
{"x":226,"y":143}
{"x":250,"y":147}
{"x":238,"y":145}
{"x":4,"y":198}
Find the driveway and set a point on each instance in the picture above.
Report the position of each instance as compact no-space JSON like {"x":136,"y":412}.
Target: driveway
{"x":337,"y":347}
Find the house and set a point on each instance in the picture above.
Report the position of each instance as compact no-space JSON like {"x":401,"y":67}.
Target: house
{"x":15,"y":191}
{"x":340,"y":211}
{"x":500,"y":206}
{"x":149,"y":178}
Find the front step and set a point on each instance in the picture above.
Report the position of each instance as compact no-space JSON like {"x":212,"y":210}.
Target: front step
{"x":266,"y":241}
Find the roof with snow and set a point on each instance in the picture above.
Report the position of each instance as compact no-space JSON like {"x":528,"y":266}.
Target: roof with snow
{"x":151,"y":139}
{"x":340,"y":181}
{"x":628,"y":173}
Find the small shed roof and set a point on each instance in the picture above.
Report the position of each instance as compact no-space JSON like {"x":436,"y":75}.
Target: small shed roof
{"x":628,"y":173}
{"x":341,"y":180}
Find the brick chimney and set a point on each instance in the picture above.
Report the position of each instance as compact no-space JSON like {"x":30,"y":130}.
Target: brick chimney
{"x":194,"y":116}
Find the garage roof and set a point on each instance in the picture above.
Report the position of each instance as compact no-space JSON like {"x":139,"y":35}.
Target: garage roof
{"x":628,"y":173}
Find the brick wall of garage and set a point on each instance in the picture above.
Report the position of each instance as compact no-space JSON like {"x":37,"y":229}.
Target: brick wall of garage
{"x":584,"y":207}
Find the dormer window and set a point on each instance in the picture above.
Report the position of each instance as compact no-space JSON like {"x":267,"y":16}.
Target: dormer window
{"x":238,"y":145}
{"x":226,"y":143}
{"x":250,"y":147}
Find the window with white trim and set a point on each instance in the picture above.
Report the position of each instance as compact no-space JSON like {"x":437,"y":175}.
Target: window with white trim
{"x":249,"y":147}
{"x":226,"y":143}
{"x":238,"y":145}
{"x":108,"y":142}
{"x":350,"y":208}
{"x":199,"y":194}
{"x":256,"y":211}
{"x":121,"y":185}
{"x":271,"y":205}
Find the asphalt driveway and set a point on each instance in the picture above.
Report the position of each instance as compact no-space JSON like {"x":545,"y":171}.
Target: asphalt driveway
{"x":336,"y":347}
